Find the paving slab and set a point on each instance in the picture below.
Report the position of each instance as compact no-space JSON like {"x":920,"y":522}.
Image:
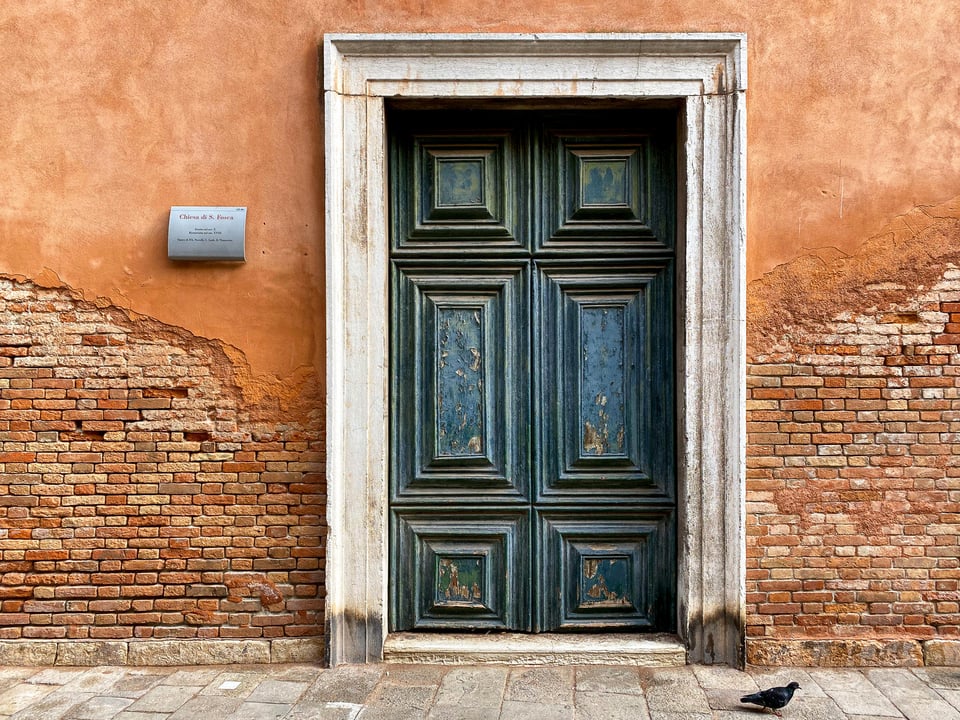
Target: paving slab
{"x":214,"y":707}
{"x":10,"y":675}
{"x":728,"y":699}
{"x":779,"y":677}
{"x":854,"y":694}
{"x":472,"y":687}
{"x":278,"y":691}
{"x":459,"y":712}
{"x":413,"y":697}
{"x":715,"y":677}
{"x":545,"y":685}
{"x":911,"y":695}
{"x":193,"y":676}
{"x":136,"y":683}
{"x":98,"y":680}
{"x":951,"y":696}
{"x":98,"y":708}
{"x":381,"y":712}
{"x":813,"y":708}
{"x":347,"y":683}
{"x":674,"y":690}
{"x":55,"y":676}
{"x":235,"y":683}
{"x":606,"y":679}
{"x":591,"y":705}
{"x":324,"y":711}
{"x":54,"y":706}
{"x":519,"y":710}
{"x":163,"y":699}
{"x":21,"y":695}
{"x":260,"y":711}
{"x":937,"y":677}
{"x":414,"y":675}
{"x":141,"y":716}
{"x":305,"y":673}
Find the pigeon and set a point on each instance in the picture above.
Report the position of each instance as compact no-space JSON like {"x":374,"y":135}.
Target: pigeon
{"x":773,"y":699}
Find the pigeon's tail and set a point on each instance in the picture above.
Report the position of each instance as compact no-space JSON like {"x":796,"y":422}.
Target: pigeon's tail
{"x":755,"y":699}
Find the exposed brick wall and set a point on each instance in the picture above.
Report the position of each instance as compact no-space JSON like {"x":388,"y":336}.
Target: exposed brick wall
{"x":853,"y":486}
{"x":143,"y":495}
{"x":139,"y":495}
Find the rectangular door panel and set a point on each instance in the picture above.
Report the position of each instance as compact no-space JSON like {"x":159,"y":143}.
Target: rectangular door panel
{"x":460,"y":399}
{"x":604,"y":396}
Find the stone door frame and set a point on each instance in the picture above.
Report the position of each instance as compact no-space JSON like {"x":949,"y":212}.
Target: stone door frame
{"x":706,"y":74}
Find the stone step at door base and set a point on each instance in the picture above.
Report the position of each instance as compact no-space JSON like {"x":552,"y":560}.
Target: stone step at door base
{"x":543,"y":649}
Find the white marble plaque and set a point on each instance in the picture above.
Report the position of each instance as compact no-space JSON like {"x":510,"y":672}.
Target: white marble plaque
{"x":206,"y":233}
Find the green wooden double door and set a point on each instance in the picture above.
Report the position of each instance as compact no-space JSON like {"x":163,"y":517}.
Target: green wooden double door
{"x":533,"y":471}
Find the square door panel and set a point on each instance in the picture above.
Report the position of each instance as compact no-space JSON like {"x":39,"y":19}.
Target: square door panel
{"x":461,"y":569}
{"x":605,"y":393}
{"x":459,"y":192}
{"x":462,"y":184}
{"x":606,"y":183}
{"x":605,"y":568}
{"x":461,"y":404}
{"x":607,"y":188}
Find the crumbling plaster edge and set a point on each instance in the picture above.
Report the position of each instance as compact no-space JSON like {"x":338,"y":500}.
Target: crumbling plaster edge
{"x":228,"y":362}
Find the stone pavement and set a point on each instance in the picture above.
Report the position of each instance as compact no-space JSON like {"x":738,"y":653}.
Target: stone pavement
{"x":475,"y":692}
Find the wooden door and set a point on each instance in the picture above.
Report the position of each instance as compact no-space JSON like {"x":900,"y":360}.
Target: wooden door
{"x":533,"y":472}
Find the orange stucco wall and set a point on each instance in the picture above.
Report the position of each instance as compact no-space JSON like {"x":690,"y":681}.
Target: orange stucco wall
{"x":207,"y":379}
{"x":114,"y":111}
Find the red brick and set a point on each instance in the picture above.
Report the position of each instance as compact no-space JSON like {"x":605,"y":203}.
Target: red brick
{"x":837,"y":350}
{"x":17,"y":457}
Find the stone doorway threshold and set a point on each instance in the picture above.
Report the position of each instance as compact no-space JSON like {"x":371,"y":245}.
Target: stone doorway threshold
{"x":544,"y":649}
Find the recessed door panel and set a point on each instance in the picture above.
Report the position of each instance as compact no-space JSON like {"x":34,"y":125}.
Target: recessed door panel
{"x":460,"y":399}
{"x":462,"y":570}
{"x":460,"y":187}
{"x":607,"y":189}
{"x":606,"y":420}
{"x":605,"y":567}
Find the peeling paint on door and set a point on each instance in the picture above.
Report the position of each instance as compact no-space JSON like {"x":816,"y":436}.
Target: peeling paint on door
{"x":460,"y":580}
{"x":460,"y":397}
{"x":605,"y":582}
{"x":602,"y":391}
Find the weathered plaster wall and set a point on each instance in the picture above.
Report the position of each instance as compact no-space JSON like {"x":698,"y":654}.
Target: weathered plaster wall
{"x":853,"y":484}
{"x":116,"y":111}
